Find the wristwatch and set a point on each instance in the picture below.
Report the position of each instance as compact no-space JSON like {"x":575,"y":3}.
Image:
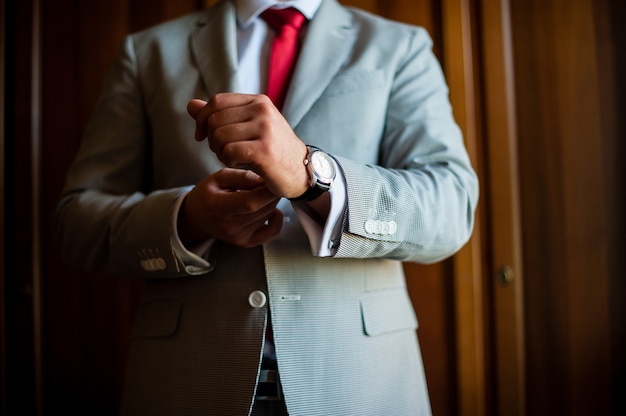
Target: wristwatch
{"x":321,"y":170}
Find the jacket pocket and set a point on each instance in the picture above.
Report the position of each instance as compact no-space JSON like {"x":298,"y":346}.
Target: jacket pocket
{"x":386,"y":311}
{"x":157,"y":319}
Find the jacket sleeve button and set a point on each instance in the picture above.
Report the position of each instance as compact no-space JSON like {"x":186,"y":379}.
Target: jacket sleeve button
{"x":393,"y":227}
{"x":257,"y":299}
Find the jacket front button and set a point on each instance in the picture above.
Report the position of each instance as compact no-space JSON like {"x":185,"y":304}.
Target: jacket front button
{"x":257,"y":299}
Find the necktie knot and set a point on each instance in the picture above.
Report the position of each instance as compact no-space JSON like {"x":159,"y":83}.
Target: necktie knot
{"x":281,"y":18}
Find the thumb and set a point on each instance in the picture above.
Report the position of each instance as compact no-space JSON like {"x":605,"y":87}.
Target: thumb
{"x":194,"y":107}
{"x":238,"y":179}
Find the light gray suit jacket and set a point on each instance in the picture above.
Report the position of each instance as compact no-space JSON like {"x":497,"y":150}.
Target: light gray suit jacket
{"x":370,"y":93}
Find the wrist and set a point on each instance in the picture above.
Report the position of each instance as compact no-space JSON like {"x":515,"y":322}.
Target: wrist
{"x":187,"y":234}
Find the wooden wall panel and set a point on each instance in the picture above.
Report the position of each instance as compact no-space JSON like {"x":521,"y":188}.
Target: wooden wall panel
{"x":87,"y":318}
{"x":501,"y":196}
{"x":612,"y":37}
{"x":3,"y":310}
{"x":21,"y":232}
{"x":425,"y":13}
{"x":460,"y":64}
{"x":564,"y":85}
{"x":369,"y":5}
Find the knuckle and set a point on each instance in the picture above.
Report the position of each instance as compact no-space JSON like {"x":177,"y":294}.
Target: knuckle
{"x":228,"y":156}
{"x":265,"y":107}
{"x":265,"y":124}
{"x":212,"y":121}
{"x":217,"y":99}
{"x":250,"y":205}
{"x":262,"y":99}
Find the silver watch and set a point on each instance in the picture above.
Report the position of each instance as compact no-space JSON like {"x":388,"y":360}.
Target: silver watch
{"x":321,"y":169}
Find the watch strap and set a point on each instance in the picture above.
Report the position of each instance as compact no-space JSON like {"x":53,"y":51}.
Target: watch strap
{"x":310,"y":194}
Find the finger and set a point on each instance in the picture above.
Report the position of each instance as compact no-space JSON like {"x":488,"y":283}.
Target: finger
{"x":249,"y":203}
{"x":228,"y":109}
{"x":238,"y":179}
{"x":224,"y":100}
{"x":246,"y":224}
{"x":238,"y":229}
{"x":242,"y":192}
{"x":269,"y":230}
{"x":194,"y":107}
{"x":235,"y":145}
{"x":234,"y":123}
{"x":201,"y":110}
{"x":215,"y":113}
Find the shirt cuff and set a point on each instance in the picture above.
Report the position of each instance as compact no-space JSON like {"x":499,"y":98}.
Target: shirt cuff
{"x":193,"y":259}
{"x":324,"y":239}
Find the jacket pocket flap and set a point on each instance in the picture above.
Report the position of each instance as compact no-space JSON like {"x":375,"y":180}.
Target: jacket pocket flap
{"x":387,"y":311}
{"x":157,"y":319}
{"x":355,"y":81}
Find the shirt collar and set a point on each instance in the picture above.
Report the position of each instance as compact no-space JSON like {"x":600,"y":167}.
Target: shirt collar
{"x":248,"y":10}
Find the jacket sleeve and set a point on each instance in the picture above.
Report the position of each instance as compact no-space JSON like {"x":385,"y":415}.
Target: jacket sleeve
{"x":418,"y":202}
{"x":108,"y":219}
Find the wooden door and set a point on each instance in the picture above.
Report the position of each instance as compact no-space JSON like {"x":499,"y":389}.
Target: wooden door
{"x":571,"y":127}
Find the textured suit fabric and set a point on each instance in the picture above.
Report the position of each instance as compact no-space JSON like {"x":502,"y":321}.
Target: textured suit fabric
{"x":370,"y":93}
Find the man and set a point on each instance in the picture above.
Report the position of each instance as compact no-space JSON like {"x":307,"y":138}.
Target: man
{"x":276,"y":236}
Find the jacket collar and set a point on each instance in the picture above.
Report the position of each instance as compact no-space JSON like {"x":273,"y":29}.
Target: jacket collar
{"x":214,"y":48}
{"x":248,"y":10}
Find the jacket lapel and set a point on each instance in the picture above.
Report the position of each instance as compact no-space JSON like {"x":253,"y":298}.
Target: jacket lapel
{"x":329,"y":39}
{"x":214,"y":48}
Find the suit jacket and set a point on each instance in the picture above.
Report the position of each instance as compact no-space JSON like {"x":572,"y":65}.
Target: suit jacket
{"x":366,"y":90}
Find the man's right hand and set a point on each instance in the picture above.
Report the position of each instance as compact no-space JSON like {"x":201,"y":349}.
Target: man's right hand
{"x":231,"y":205}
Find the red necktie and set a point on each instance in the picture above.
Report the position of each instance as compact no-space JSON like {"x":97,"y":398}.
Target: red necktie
{"x":287,"y":24}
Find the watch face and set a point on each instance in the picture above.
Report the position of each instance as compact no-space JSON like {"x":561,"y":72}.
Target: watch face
{"x":322,"y":166}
